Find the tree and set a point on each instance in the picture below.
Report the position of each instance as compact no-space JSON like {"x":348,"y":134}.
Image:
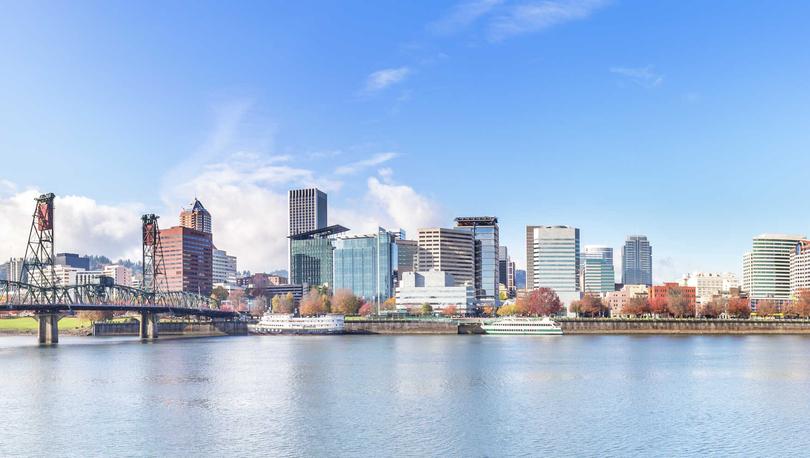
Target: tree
{"x":389,"y":304}
{"x":506,"y":310}
{"x":236,"y":299}
{"x":635,"y":306}
{"x":219,"y":294}
{"x":345,"y":302}
{"x":425,"y":309}
{"x":659,"y":306}
{"x":739,"y":307}
{"x":313,"y":303}
{"x":95,"y":315}
{"x":767,"y":308}
{"x":713,"y":308}
{"x":283,"y":303}
{"x":678,"y":305}
{"x":365,"y":309}
{"x":259,"y":306}
{"x":801,"y":306}
{"x":590,"y":305}
{"x":488,"y":310}
{"x":540,"y":302}
{"x":503,"y":296}
{"x":449,"y":310}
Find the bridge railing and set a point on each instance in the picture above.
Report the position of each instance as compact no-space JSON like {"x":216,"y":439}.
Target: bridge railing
{"x":17,"y":293}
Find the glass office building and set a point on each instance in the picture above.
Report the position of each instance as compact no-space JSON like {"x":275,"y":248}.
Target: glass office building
{"x":553,"y":260}
{"x":597,"y":270}
{"x":637,"y":261}
{"x":487,"y":267}
{"x":365,"y":264}
{"x":311,"y":256}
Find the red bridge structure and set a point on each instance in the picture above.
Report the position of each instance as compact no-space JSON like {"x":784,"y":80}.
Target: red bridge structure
{"x":38,"y":290}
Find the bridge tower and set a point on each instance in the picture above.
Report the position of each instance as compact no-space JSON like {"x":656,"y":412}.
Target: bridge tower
{"x":154,"y":272}
{"x":38,"y":267}
{"x":38,"y":263}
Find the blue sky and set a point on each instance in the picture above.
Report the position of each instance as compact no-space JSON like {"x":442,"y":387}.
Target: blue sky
{"x":685,"y":121}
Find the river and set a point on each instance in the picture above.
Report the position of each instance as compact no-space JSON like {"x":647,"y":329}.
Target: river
{"x":407,"y":396}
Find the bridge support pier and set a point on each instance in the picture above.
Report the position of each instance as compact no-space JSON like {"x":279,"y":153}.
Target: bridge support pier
{"x":149,"y":325}
{"x":48,"y":328}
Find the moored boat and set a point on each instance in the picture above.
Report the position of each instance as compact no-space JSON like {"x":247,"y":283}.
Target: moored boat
{"x":516,"y":325}
{"x":287,"y":323}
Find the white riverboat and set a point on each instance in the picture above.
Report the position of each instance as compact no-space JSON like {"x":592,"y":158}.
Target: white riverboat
{"x":517,"y":325}
{"x":287,"y":323}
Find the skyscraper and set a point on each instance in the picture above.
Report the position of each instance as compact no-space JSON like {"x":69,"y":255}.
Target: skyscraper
{"x":506,"y":270}
{"x":196,"y":217}
{"x":485,"y":232}
{"x":766,"y":268}
{"x":552,"y":260}
{"x":447,"y":250}
{"x":406,"y":256}
{"x":224,"y":267}
{"x":637,"y":261}
{"x":597,"y":270}
{"x":188,"y":259}
{"x":365,"y":265}
{"x":311,"y":256}
{"x":307,"y":210}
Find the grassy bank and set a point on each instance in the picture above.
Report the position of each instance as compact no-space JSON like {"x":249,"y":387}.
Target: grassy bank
{"x":29,"y":324}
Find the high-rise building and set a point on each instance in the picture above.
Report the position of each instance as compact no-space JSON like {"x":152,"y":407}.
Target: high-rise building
{"x":766,"y":268}
{"x":15,"y":270}
{"x":365,"y":264}
{"x":307,"y":210}
{"x":188,"y":259}
{"x":223,"y":267}
{"x":196,"y":217}
{"x":637,"y":261}
{"x":447,"y":250}
{"x":406,"y":256}
{"x":506,"y":271}
{"x":553,"y":260}
{"x":708,"y":284}
{"x":597,"y":270}
{"x":120,"y":274}
{"x":800,"y":268}
{"x":72,"y":260}
{"x":485,"y":232}
{"x":311,"y":256}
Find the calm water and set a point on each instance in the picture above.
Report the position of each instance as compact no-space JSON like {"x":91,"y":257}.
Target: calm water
{"x":407,"y":396}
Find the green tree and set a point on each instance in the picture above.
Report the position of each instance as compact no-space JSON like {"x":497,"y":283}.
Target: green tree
{"x":426,"y":309}
{"x":219,"y":294}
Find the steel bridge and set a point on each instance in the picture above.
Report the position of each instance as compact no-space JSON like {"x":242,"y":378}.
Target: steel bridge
{"x":42,"y":293}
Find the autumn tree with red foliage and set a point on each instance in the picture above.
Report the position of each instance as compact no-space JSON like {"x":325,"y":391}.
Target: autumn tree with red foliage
{"x":366,"y":309}
{"x":659,"y":306}
{"x":739,"y":307}
{"x":801,"y":306}
{"x":713,"y":308}
{"x":767,"y":308}
{"x":591,"y":306}
{"x":540,"y":302}
{"x":636,"y":306}
{"x":449,"y":310}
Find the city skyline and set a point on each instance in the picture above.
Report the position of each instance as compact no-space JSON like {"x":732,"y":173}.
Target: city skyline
{"x":396,"y":133}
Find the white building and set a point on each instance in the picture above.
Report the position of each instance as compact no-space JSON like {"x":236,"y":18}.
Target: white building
{"x":89,"y":277}
{"x":436,"y":288}
{"x":120,"y":274}
{"x":65,"y":275}
{"x":800,"y":268}
{"x":709,"y":284}
{"x":552,"y":260}
{"x":223,"y":269}
{"x":766,"y":268}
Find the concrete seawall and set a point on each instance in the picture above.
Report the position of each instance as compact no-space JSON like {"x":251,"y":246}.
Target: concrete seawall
{"x":401,"y":327}
{"x":213,"y":328}
{"x":683,"y":326}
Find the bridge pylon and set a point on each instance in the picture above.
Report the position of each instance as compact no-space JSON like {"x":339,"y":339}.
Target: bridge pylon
{"x":38,"y":262}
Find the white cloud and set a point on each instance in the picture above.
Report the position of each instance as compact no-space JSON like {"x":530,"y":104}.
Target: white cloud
{"x":355,"y":167}
{"x":382,"y":79}
{"x":463,"y":14}
{"x":81,"y":225}
{"x":535,"y":16}
{"x":643,"y":76}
